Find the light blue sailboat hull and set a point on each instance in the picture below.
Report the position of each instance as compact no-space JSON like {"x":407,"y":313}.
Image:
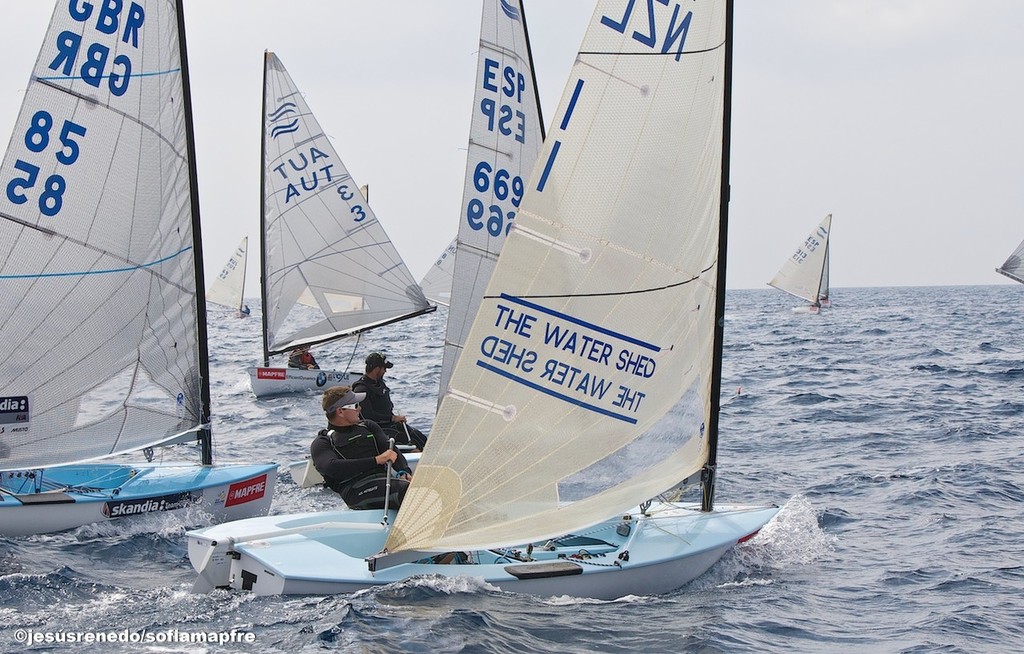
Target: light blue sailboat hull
{"x":324,"y":553}
{"x":76,"y":495}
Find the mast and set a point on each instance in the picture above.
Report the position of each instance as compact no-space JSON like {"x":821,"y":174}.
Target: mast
{"x":708,"y":474}
{"x":263,"y":213}
{"x":204,"y":436}
{"x":533,"y":71}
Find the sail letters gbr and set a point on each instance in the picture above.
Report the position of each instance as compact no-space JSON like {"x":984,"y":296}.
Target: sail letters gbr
{"x":52,"y":142}
{"x":567,"y":358}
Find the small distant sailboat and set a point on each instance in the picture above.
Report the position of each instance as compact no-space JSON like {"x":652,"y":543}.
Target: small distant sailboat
{"x":437,"y":283}
{"x":805,"y":274}
{"x":329,"y":268}
{"x":102,"y":303}
{"x":228,"y":287}
{"x":1013,"y":267}
{"x":589,"y":388}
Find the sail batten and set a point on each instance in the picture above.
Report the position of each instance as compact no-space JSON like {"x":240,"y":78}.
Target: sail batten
{"x":329,"y":268}
{"x":595,"y":420}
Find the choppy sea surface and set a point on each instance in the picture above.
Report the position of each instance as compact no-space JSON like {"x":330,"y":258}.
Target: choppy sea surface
{"x":889,"y":429}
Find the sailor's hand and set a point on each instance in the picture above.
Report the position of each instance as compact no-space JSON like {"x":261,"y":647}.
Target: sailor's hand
{"x":385,"y":456}
{"x":397,"y":418}
{"x":405,"y":475}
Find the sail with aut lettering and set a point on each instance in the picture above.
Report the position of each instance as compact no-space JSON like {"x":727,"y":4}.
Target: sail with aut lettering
{"x":329,"y":268}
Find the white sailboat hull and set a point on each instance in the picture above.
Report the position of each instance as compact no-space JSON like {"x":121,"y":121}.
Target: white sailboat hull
{"x":95,"y":493}
{"x":267,"y":382}
{"x":324,"y":553}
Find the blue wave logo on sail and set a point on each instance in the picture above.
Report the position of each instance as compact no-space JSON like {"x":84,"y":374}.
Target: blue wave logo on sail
{"x":286,"y":110}
{"x":510,"y":10}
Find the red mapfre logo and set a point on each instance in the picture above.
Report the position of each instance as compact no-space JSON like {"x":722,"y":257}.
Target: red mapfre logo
{"x":271,"y":373}
{"x":246,"y":491}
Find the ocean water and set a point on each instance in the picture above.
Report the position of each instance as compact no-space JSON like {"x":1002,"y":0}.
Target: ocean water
{"x":889,"y":429}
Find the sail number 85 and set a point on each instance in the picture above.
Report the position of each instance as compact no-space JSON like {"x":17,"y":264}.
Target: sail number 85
{"x":504,"y":187}
{"x":37,"y":139}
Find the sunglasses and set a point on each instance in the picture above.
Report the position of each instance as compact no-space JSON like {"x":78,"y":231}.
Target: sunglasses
{"x":351,"y":406}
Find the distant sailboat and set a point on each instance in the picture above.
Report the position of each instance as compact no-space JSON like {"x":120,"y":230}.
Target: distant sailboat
{"x":1013,"y":267}
{"x":805,"y":274}
{"x":329,"y":268}
{"x":437,"y":283}
{"x":102,"y":307}
{"x":228,"y":287}
{"x":590,"y":383}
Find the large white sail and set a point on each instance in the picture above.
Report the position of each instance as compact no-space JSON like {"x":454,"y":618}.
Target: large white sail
{"x":99,"y":291}
{"x":505,"y":136}
{"x":229,"y":286}
{"x":330,"y":269}
{"x":1013,"y":267}
{"x":587,"y":374}
{"x":805,"y":274}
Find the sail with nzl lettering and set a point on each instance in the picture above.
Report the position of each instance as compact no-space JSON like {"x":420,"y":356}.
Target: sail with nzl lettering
{"x":590,"y":383}
{"x":102,"y":307}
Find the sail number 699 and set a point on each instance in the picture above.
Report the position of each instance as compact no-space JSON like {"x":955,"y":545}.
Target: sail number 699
{"x":504,"y":187}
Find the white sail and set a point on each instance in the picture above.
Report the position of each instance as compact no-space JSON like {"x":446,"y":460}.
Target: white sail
{"x":805,"y":274}
{"x":99,"y":291}
{"x":322,"y":243}
{"x":587,"y":374}
{"x":437,"y":283}
{"x":229,"y":286}
{"x":504,"y":139}
{"x":1013,"y":267}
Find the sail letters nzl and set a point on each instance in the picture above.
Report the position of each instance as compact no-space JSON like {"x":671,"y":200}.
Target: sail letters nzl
{"x":649,"y":34}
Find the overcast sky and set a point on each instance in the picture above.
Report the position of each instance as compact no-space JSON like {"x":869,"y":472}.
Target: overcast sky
{"x":902,"y":118}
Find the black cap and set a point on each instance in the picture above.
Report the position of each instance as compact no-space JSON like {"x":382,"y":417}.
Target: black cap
{"x":376,"y":360}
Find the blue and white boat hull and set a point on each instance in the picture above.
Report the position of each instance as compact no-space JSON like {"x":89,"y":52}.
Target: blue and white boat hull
{"x":83,"y":494}
{"x":325,"y":553}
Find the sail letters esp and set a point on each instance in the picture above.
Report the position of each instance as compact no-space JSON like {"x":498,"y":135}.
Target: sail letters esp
{"x":108,"y":18}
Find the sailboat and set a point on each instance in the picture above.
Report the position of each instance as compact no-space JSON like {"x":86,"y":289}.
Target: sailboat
{"x":102,"y":307}
{"x":228,"y":287}
{"x":329,"y":268}
{"x":1013,"y":267}
{"x":805,"y":274}
{"x":588,"y":391}
{"x":437,"y":282}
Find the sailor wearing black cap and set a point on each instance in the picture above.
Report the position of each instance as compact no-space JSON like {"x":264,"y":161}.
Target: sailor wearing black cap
{"x":378,"y":406}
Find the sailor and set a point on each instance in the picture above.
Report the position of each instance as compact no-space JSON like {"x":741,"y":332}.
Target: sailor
{"x":352,"y":455}
{"x":301,"y":357}
{"x":378,"y":406}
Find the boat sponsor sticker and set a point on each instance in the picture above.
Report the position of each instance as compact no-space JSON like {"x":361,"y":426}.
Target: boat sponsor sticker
{"x":568,"y":358}
{"x":14,"y":413}
{"x":148,"y":505}
{"x":271,"y":373}
{"x":249,"y":490}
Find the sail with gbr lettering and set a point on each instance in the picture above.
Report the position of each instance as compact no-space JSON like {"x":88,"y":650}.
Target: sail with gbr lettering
{"x":102,"y":307}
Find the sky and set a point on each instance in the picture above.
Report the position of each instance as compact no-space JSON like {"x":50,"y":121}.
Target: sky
{"x":901,"y":118}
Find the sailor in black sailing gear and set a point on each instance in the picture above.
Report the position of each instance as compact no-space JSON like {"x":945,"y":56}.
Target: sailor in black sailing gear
{"x":352,"y":454}
{"x":378,"y":406}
